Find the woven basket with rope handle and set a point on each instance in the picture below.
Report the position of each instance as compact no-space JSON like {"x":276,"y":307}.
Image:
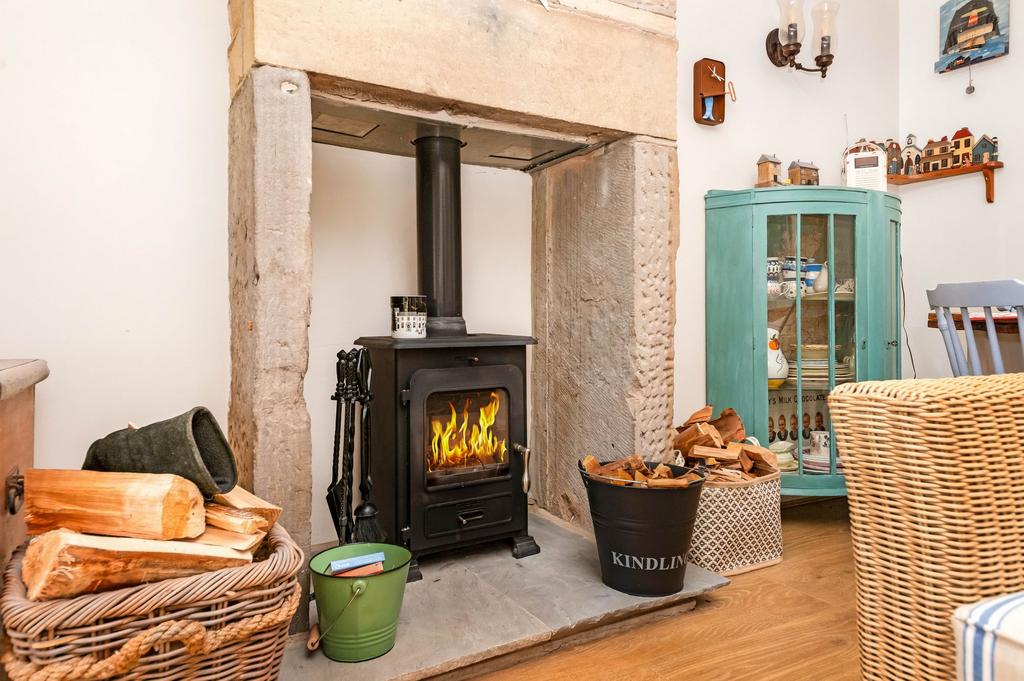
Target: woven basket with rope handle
{"x":213,"y":625}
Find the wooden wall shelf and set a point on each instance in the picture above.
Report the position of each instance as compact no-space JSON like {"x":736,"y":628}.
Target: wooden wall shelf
{"x":988,"y":170}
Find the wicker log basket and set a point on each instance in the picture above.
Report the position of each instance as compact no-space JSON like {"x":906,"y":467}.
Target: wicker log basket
{"x":227,"y":624}
{"x":739,"y":526}
{"x":933,"y":472}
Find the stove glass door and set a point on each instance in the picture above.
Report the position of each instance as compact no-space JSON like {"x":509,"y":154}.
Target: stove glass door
{"x":466,"y":436}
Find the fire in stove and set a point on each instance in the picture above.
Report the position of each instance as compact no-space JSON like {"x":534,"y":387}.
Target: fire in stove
{"x":473,"y":439}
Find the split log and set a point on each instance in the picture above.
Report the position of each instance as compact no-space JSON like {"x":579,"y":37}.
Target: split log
{"x":746,"y":463}
{"x":235,"y":520}
{"x":668,"y":482}
{"x":702,"y":415}
{"x":244,"y":500}
{"x":702,"y":452}
{"x":62,"y":563}
{"x":761,"y":455}
{"x":590,"y":464}
{"x":139,"y":505}
{"x":215,"y":536}
{"x":698,"y":434}
{"x":729,"y":425}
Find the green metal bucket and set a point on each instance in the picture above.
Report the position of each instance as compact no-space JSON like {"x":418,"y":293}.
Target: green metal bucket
{"x":359,"y":615}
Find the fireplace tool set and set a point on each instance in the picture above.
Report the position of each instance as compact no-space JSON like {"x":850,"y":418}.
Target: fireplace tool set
{"x":354,"y":374}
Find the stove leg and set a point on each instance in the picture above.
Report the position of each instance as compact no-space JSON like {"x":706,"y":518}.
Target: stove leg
{"x":414,"y":572}
{"x":523,"y":546}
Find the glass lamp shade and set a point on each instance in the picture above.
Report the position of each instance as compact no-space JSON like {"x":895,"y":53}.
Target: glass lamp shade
{"x":825,"y":16}
{"x":791,"y":21}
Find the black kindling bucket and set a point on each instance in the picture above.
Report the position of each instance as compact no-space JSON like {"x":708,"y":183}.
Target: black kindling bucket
{"x":643,"y":534}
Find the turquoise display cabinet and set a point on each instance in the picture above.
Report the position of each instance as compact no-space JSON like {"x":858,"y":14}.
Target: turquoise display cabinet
{"x":821,"y":267}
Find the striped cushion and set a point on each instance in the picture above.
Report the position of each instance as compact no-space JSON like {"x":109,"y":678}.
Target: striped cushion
{"x":990,"y":639}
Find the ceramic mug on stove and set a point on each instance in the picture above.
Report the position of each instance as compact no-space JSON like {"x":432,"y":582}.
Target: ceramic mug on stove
{"x":408,"y":316}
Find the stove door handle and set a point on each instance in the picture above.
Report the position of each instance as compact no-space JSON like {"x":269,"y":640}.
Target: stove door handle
{"x":526,"y":466}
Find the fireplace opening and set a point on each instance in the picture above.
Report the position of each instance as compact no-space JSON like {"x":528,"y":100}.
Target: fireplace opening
{"x":468,"y":434}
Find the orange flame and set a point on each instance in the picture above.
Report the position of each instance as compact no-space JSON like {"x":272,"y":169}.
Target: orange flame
{"x":450,"y":446}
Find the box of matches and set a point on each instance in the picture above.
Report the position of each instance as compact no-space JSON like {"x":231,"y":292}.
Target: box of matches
{"x":346,"y":564}
{"x":364,"y":571}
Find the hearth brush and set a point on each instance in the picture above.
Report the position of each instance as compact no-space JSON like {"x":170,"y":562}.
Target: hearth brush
{"x":367,"y":529}
{"x":339,"y":492}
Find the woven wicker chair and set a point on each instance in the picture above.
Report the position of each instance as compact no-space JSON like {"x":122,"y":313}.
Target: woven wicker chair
{"x":935,"y":477}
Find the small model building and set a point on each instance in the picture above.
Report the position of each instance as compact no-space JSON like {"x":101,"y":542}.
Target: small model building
{"x":911,"y":157}
{"x":963,"y":141}
{"x":769,"y":171}
{"x":801,"y":172}
{"x":894,"y":163}
{"x":937,"y":155}
{"x":985,"y":149}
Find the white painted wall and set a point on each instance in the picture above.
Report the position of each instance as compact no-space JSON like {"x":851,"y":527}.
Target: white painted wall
{"x":792,"y":115}
{"x":113,"y":211}
{"x":949,"y":232}
{"x":364,"y":250}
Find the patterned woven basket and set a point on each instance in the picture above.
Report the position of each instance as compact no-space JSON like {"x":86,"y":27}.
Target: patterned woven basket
{"x":933,"y":474}
{"x":739,"y":526}
{"x":227,"y":624}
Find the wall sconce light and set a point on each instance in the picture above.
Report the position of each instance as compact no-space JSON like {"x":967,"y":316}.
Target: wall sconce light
{"x":783,"y":43}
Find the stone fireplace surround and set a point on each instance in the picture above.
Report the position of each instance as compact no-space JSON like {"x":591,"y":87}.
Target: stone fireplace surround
{"x":599,"y":75}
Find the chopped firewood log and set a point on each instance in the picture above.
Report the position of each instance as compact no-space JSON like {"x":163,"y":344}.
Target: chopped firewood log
{"x":215,"y":536}
{"x":662,"y":471}
{"x":729,"y":425}
{"x":139,"y":505}
{"x":668,"y":482}
{"x":62,"y":563}
{"x":639,"y":477}
{"x":702,"y":415}
{"x":244,"y":500}
{"x":620,"y":477}
{"x":698,"y":434}
{"x":734,"y":448}
{"x":590,"y":464}
{"x":235,"y":520}
{"x":702,"y":452}
{"x":746,"y":463}
{"x":761,"y":454}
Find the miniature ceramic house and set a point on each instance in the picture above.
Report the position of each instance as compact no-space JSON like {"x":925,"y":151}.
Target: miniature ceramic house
{"x":911,"y":157}
{"x":801,"y":172}
{"x":985,"y":149}
{"x":937,"y":155}
{"x":894,"y":163}
{"x":769,"y":171}
{"x":963,"y":142}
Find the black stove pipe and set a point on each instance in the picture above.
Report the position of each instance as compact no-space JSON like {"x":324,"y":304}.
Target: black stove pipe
{"x":439,"y":233}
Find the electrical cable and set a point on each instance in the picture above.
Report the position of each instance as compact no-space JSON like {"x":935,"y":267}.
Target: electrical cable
{"x":906,"y":334}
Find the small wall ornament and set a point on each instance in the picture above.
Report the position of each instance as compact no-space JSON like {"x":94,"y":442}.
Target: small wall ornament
{"x":710,"y":88}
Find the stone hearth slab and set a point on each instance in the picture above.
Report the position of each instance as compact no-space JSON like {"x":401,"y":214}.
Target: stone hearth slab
{"x":482,"y":603}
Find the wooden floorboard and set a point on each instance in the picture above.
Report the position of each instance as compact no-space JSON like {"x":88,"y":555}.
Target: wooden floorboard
{"x":794,"y":620}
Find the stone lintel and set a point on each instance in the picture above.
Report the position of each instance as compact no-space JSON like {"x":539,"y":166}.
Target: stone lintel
{"x":566,"y":65}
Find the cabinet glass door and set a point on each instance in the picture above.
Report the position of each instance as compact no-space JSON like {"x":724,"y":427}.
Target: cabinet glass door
{"x":812,"y":334}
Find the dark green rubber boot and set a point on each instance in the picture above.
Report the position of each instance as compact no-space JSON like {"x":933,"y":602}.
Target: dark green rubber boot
{"x":191,"y":445}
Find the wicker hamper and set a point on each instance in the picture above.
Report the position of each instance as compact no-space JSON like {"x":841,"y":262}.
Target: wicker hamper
{"x":739,"y":526}
{"x":934,"y":472}
{"x":228,"y":624}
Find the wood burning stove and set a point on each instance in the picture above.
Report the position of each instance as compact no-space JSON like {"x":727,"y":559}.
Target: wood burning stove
{"x":450,"y":460}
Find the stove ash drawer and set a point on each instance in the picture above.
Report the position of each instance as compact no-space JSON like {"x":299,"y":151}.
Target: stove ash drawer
{"x":468,"y":515}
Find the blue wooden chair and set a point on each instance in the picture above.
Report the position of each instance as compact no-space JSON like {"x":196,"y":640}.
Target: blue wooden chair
{"x":1007,"y":294}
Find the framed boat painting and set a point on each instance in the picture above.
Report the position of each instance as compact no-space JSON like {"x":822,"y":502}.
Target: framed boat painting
{"x":972,"y":31}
